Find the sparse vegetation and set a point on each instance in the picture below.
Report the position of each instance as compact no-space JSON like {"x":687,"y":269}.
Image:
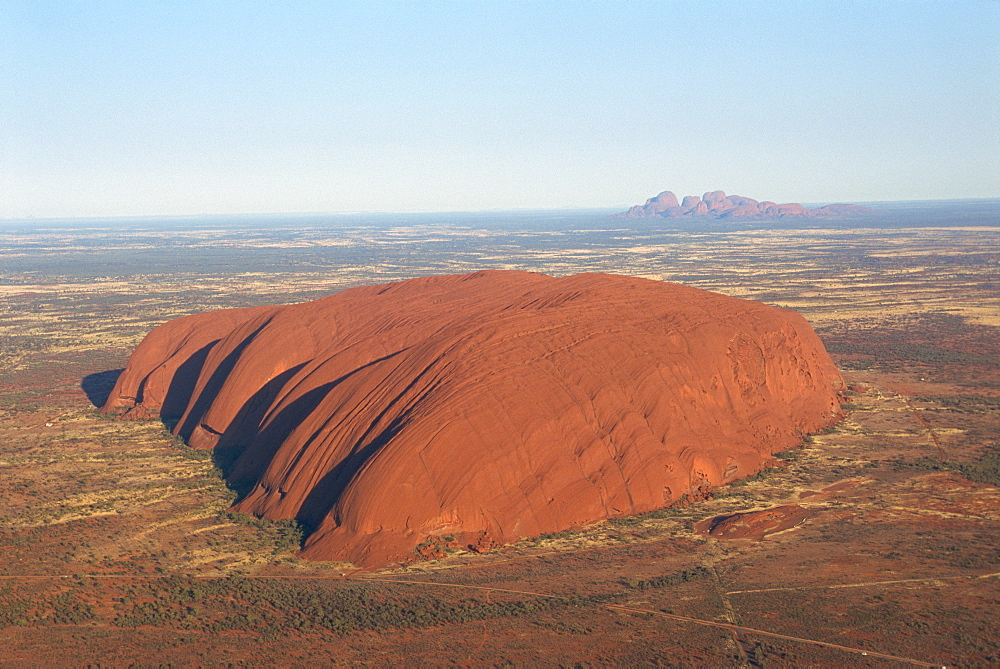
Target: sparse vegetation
{"x":678,"y":508}
{"x":973,"y":404}
{"x":272,"y":607}
{"x":127,"y":502}
{"x":285,"y":535}
{"x":986,"y":469}
{"x":666,"y":580}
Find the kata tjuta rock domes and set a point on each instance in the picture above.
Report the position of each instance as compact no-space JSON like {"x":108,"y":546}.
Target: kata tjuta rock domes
{"x":489,"y":406}
{"x":717,"y":204}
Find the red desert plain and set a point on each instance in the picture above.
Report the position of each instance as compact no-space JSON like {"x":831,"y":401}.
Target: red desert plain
{"x":341,"y":443}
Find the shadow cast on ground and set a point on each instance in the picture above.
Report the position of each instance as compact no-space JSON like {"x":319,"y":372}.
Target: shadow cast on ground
{"x":98,"y":386}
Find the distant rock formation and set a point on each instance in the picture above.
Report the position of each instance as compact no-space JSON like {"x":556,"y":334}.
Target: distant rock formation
{"x":717,"y":204}
{"x":479,"y":409}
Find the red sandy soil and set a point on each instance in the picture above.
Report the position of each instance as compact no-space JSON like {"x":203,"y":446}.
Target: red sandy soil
{"x":483,"y":408}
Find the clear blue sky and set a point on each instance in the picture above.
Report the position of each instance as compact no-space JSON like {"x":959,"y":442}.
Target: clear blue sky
{"x":135,"y":108}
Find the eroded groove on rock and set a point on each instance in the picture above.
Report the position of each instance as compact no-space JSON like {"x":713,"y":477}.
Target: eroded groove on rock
{"x":491,"y":406}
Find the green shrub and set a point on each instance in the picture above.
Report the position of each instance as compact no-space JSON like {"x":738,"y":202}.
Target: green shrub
{"x":667,"y":579}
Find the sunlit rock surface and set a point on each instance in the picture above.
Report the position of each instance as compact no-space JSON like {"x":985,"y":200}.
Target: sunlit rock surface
{"x":489,"y":406}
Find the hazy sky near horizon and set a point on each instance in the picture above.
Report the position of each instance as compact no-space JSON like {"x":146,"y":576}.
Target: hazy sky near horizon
{"x":144,"y":108}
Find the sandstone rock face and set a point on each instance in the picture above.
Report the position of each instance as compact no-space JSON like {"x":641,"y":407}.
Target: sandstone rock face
{"x":655,"y":205}
{"x":484,"y":407}
{"x":716,"y":204}
{"x":713,"y":198}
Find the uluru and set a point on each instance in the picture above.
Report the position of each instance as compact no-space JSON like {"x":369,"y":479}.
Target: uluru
{"x":716,"y":204}
{"x":484,"y":407}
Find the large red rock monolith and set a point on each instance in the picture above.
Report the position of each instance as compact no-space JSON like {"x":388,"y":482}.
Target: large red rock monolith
{"x":489,"y":406}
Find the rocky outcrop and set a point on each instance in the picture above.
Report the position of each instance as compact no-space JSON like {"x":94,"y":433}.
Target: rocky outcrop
{"x":482,"y":408}
{"x":717,"y":204}
{"x":754,"y":524}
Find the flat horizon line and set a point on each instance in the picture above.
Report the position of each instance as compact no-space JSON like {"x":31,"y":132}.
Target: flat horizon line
{"x":362,"y":212}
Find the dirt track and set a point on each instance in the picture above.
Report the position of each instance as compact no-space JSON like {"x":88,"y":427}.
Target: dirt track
{"x":672,"y":616}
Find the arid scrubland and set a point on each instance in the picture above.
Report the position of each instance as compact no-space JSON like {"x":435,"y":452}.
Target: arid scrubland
{"x":116,"y":545}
